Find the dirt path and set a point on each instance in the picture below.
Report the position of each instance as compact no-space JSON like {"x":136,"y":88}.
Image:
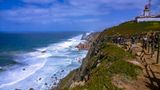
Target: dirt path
{"x":150,"y":78}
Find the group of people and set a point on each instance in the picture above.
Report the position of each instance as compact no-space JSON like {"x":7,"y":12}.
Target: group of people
{"x":151,"y":41}
{"x":148,"y":40}
{"x":119,"y":40}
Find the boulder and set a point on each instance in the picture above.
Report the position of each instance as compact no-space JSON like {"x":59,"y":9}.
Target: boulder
{"x":31,"y":89}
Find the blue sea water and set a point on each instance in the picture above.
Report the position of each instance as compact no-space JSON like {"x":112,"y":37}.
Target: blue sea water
{"x":12,"y":43}
{"x":37,"y":60}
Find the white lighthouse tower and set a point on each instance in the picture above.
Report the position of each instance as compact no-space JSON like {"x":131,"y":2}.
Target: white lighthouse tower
{"x":146,"y":12}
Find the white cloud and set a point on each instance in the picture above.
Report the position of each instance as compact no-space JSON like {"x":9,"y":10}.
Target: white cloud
{"x":64,"y":13}
{"x":47,"y":15}
{"x":118,"y":4}
{"x":39,"y":1}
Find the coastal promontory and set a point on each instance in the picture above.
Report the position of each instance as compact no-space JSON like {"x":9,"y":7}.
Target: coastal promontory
{"x":119,"y":59}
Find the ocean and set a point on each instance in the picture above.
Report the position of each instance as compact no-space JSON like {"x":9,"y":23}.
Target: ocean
{"x":38,"y":60}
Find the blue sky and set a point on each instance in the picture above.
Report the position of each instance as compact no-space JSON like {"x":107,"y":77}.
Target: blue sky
{"x":68,"y":15}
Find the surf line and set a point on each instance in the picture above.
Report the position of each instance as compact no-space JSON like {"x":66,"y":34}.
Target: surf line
{"x":14,"y":82}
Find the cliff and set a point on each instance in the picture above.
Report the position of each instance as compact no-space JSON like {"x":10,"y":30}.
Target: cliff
{"x":106,"y":66}
{"x":89,"y":39}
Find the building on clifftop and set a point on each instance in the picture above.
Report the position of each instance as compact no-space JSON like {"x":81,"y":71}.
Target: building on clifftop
{"x":147,"y":16}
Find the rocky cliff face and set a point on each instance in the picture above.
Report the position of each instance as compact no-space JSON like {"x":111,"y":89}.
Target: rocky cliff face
{"x":81,"y":74}
{"x":89,"y":39}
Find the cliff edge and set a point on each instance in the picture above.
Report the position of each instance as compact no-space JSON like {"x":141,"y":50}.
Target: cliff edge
{"x":108,"y":66}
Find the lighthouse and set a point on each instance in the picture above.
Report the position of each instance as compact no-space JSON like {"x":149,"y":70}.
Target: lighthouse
{"x":147,"y":10}
{"x":147,"y":17}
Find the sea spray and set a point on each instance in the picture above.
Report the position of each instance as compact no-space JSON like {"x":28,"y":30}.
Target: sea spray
{"x":44,"y":67}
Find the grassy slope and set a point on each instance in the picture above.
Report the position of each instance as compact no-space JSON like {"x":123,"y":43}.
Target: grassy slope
{"x":100,"y":77}
{"x":129,"y":28}
{"x":113,"y":63}
{"x":113,"y":60}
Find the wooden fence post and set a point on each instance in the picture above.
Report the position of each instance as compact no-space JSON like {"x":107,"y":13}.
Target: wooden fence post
{"x":148,"y":45}
{"x":158,"y":51}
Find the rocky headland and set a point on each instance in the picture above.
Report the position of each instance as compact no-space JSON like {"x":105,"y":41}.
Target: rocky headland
{"x":88,"y":40}
{"x":116,"y":64}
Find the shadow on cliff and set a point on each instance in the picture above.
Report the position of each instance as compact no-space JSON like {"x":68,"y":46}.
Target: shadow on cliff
{"x":154,"y":82}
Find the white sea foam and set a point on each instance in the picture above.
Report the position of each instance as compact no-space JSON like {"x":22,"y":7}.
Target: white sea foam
{"x":38,"y":69}
{"x":21,"y":75}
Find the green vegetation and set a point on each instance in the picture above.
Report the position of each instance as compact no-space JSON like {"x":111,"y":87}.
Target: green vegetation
{"x":131,"y":27}
{"x":128,"y":70}
{"x":113,"y":51}
{"x":114,"y":63}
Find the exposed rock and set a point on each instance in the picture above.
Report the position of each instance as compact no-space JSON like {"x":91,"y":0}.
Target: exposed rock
{"x":46,"y":84}
{"x":54,"y":83}
{"x":40,"y":78}
{"x":24,"y":69}
{"x":83,"y":46}
{"x":138,"y":53}
{"x":89,"y":40}
{"x":79,"y":83}
{"x":31,"y":89}
{"x":84,"y":36}
{"x":98,"y":64}
{"x":62,"y":71}
{"x":81,"y":75}
{"x":17,"y":89}
{"x":43,"y":51}
{"x":56,"y":78}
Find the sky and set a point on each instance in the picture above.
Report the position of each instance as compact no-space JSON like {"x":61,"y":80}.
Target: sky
{"x":68,"y":15}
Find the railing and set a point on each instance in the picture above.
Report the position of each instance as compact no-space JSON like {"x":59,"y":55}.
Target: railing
{"x":150,"y":42}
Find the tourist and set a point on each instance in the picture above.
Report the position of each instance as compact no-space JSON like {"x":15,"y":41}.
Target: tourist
{"x":145,"y":40}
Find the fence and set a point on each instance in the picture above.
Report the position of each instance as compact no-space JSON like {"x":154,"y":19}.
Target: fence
{"x":150,"y":42}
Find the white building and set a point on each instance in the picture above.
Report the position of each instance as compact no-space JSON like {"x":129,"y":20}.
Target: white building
{"x":146,"y":17}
